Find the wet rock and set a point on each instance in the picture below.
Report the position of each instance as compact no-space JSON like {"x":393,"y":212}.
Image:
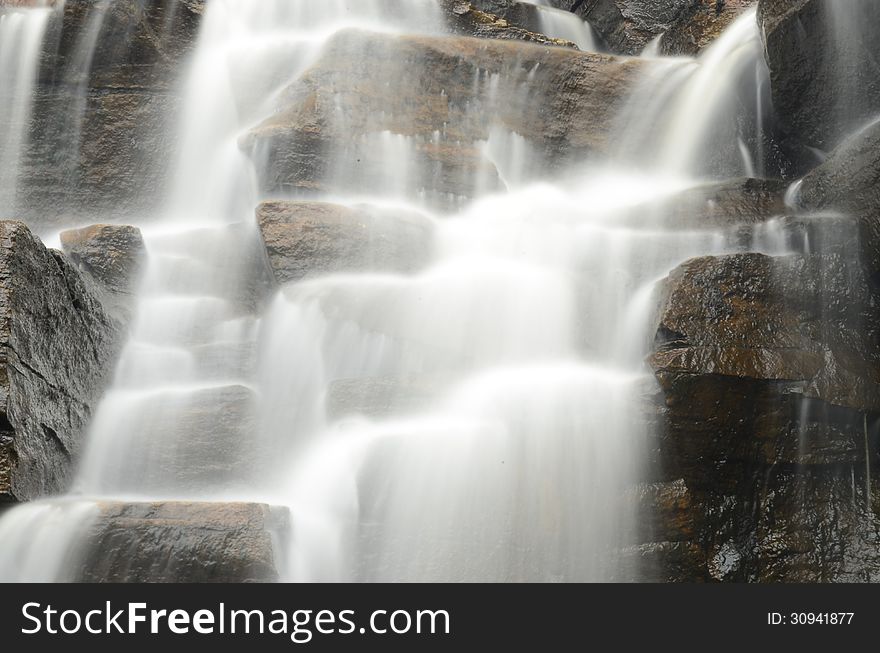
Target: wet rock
{"x":497,"y":19}
{"x":430,"y":130}
{"x":662,"y":562}
{"x":307,"y":239}
{"x":177,"y":542}
{"x":700,"y":25}
{"x":628,"y":26}
{"x":113,"y":256}
{"x":825,"y":78}
{"x":193,"y":441}
{"x":849,"y":182}
{"x":100,"y":142}
{"x":795,"y":319}
{"x":716,"y":205}
{"x":58,"y":345}
{"x":768,"y":369}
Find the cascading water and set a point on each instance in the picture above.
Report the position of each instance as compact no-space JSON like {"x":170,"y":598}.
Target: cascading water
{"x":511,"y":365}
{"x":560,"y":24}
{"x":21,"y":39}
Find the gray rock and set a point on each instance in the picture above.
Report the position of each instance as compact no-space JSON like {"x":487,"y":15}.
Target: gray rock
{"x":825,"y":77}
{"x":177,"y":542}
{"x":58,"y":345}
{"x":307,"y":239}
{"x":849,"y":182}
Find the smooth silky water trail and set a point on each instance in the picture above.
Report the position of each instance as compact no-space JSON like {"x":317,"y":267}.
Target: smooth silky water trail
{"x":511,"y":367}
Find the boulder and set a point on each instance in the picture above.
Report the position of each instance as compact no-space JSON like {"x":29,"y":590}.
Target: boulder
{"x":178,"y":542}
{"x":394,"y":126}
{"x":308,"y":239}
{"x":113,"y":256}
{"x":716,"y":205}
{"x":768,"y":369}
{"x":797,"y":319}
{"x":825,"y":80}
{"x":58,"y":346}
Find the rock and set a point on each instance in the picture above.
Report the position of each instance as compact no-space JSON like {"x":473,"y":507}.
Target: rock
{"x":58,"y":346}
{"x":825,"y":79}
{"x":700,"y":25}
{"x":716,"y":205}
{"x":140,"y":45}
{"x":379,"y":397}
{"x":307,"y":239}
{"x":113,"y":256}
{"x":849,"y":182}
{"x":768,"y":370}
{"x":182,"y":441}
{"x":662,"y":562}
{"x":805,"y":319}
{"x":497,"y":19}
{"x":100,"y":142}
{"x":428,"y":132}
{"x":177,"y":542}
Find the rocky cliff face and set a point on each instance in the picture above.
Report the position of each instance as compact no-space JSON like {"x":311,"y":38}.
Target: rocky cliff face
{"x":58,"y":344}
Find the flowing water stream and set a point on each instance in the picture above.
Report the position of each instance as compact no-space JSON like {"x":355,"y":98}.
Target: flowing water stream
{"x":512,"y":428}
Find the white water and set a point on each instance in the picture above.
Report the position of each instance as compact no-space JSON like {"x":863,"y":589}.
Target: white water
{"x":560,"y":24}
{"x":21,"y":38}
{"x":525,"y":333}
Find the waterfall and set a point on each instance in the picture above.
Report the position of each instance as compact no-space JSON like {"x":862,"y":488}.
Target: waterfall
{"x":21,"y":40}
{"x":511,"y":430}
{"x":560,"y":24}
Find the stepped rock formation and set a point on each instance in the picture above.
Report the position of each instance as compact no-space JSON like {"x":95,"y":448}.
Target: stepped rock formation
{"x":566,"y":112}
{"x":58,"y":344}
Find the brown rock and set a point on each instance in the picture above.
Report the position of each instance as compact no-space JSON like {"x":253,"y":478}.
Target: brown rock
{"x":823,"y":70}
{"x":307,"y":239}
